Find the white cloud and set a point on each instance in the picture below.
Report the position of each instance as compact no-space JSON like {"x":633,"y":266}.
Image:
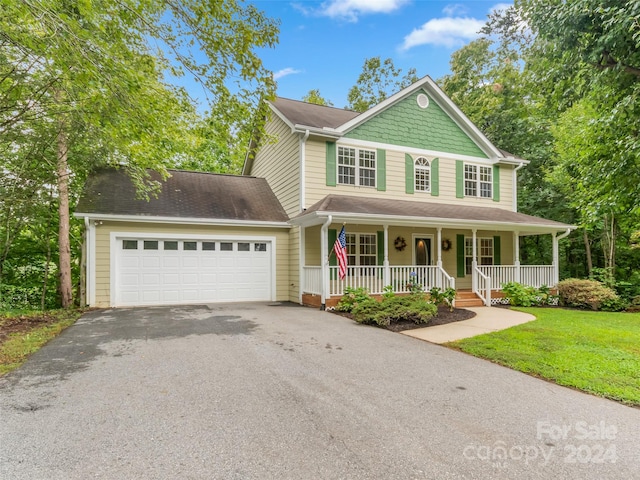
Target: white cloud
{"x":451,"y":30}
{"x":448,"y":32}
{"x":350,"y":9}
{"x":454,"y":9}
{"x":284,"y":72}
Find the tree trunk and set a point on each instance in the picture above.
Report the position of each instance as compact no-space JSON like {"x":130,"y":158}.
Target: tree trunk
{"x":587,"y":249}
{"x":64,"y":248}
{"x":609,"y":247}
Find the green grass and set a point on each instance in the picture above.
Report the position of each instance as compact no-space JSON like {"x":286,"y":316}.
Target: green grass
{"x":17,"y":348}
{"x":597,"y":352}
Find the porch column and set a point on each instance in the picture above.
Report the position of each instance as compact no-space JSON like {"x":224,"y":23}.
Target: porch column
{"x":387,"y":270}
{"x":324,"y":261}
{"x":303,"y":262}
{"x":474,"y":262}
{"x":516,"y":254}
{"x":439,"y":261}
{"x":556,"y":262}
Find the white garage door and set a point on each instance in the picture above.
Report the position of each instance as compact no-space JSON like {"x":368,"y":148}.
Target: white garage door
{"x":183,"y":271}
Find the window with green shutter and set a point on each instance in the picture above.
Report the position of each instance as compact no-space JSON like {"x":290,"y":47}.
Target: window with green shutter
{"x":381,"y":166}
{"x":459,"y":179}
{"x":460,"y":255}
{"x":435,"y":177}
{"x":331,"y":163}
{"x":496,"y":250}
{"x":408,"y":173}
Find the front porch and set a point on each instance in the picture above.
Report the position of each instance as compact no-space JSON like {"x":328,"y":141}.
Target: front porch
{"x":487,"y":280}
{"x":400,"y":244}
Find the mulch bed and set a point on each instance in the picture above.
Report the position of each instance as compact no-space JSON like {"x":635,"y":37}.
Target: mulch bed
{"x":24,"y":323}
{"x":443,"y":317}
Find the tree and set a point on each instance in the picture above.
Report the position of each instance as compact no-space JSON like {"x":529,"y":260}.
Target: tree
{"x":314,"y":96}
{"x":378,"y":81}
{"x":82,"y":85}
{"x":593,"y":75}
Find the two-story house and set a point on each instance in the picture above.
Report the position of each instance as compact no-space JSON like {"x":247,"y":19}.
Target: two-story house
{"x":423,"y":195}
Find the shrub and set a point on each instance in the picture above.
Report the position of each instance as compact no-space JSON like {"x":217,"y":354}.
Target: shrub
{"x":520,"y":295}
{"x":414,"y":308}
{"x":353,"y":297}
{"x":443,"y":297}
{"x":587,"y":294}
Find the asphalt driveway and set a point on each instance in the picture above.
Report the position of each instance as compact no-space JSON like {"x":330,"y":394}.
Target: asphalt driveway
{"x":253,"y":391}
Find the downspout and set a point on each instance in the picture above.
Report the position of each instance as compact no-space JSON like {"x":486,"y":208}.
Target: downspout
{"x":515,"y":187}
{"x":301,"y":236}
{"x":556,"y":256}
{"x":303,"y":143}
{"x":88,"y":271}
{"x":324,"y":252}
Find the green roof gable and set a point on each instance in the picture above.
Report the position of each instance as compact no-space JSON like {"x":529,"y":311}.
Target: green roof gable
{"x":407,"y":124}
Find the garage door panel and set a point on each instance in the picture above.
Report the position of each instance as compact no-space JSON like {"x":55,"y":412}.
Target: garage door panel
{"x":151,"y":262}
{"x":206,"y":274}
{"x":170,"y":261}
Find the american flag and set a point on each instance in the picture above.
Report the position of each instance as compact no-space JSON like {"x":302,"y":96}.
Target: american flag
{"x":340,"y":247}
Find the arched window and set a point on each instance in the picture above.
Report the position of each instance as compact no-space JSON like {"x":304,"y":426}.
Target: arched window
{"x":422,"y":172}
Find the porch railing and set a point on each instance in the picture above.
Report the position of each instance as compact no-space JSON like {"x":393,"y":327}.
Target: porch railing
{"x":371,"y":278}
{"x":532,"y":275}
{"x":312,"y":278}
{"x":401,"y":278}
{"x":482,"y":286}
{"x":538,"y":275}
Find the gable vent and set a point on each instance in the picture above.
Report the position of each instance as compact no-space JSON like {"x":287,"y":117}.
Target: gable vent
{"x":423,"y":100}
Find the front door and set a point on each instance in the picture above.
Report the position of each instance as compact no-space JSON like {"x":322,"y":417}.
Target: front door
{"x":422,"y":250}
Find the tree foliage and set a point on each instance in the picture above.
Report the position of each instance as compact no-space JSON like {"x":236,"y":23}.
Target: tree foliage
{"x":82,"y":84}
{"x":377,"y":81}
{"x":314,"y":96}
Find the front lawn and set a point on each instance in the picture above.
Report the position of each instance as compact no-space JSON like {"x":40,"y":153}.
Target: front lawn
{"x":598,"y":352}
{"x":23,"y":333}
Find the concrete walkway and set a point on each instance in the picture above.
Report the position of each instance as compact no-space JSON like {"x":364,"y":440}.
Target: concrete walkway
{"x":487,"y":320}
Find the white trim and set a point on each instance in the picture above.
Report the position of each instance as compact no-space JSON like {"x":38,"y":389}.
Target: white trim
{"x":357,"y":167}
{"x":302,"y":260}
{"x":302,"y":180}
{"x":91,"y":263}
{"x":115,"y":236}
{"x":415,"y":236}
{"x":183,"y":220}
{"x":355,"y":143}
{"x":430,"y":87}
{"x":317,"y":131}
{"x":315,"y":218}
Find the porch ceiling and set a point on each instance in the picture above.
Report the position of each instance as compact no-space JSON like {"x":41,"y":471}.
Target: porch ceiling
{"x":365,"y":210}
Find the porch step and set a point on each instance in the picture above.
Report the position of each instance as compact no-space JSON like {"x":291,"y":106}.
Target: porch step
{"x":466,"y":298}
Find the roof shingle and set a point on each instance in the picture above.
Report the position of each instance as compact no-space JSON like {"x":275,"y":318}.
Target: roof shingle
{"x":311,"y":115}
{"x":184,"y":194}
{"x":404,"y":208}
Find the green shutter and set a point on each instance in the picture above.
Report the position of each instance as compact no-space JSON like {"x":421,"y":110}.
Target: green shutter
{"x":380,"y":248}
{"x":331,"y":164}
{"x":435,"y":177}
{"x":496,"y":183}
{"x":381,"y":165}
{"x":408,"y":173}
{"x":496,"y":250}
{"x":460,"y":255}
{"x":333,"y":234}
{"x":459,"y":179}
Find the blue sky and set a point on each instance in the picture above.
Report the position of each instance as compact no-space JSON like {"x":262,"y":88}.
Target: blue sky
{"x":324,"y":44}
